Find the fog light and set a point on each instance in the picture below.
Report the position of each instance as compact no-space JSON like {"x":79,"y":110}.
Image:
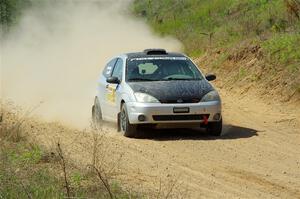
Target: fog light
{"x":217,"y":116}
{"x":141,"y":118}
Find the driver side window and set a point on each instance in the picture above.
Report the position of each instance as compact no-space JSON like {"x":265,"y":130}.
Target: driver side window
{"x":118,"y":70}
{"x":109,"y":68}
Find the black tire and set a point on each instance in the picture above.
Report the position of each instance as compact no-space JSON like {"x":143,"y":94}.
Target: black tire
{"x":127,"y":129}
{"x":214,"y":128}
{"x":96,"y":114}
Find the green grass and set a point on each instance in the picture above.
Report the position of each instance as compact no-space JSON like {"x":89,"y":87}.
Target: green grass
{"x":22,"y":175}
{"x":25,"y":174}
{"x":284,"y":49}
{"x":209,"y":24}
{"x":219,"y":60}
{"x":27,"y":171}
{"x":242,"y":72}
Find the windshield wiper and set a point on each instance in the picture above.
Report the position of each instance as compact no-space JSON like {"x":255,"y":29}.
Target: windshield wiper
{"x":141,"y":79}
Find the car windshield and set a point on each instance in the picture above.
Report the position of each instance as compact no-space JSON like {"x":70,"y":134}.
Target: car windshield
{"x":161,"y":69}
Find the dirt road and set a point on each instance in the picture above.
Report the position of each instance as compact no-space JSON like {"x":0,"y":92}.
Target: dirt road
{"x":257,"y":157}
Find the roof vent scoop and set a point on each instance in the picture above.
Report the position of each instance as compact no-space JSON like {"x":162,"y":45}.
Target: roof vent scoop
{"x":155,"y":52}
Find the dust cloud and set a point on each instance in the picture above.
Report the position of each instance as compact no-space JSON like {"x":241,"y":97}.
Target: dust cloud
{"x":57,"y":51}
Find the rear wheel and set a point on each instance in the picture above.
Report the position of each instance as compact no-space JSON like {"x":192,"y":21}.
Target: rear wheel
{"x":96,"y":114}
{"x":127,"y":129}
{"x":214,"y":128}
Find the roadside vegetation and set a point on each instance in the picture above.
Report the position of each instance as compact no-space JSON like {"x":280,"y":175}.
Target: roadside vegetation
{"x":28,"y":170}
{"x":228,"y":34}
{"x":11,"y":11}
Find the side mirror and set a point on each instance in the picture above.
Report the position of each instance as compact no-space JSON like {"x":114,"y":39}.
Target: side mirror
{"x":113,"y":80}
{"x":210,"y":77}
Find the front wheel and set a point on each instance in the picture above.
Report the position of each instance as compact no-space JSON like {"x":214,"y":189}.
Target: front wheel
{"x":127,"y":129}
{"x":214,"y":128}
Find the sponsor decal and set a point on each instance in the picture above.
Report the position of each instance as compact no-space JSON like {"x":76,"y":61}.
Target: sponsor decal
{"x":158,"y":58}
{"x":111,"y":93}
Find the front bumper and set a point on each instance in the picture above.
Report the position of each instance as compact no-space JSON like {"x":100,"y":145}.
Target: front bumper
{"x":165,"y":112}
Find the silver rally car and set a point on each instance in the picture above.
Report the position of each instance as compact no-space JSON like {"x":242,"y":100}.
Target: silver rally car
{"x":155,"y":87}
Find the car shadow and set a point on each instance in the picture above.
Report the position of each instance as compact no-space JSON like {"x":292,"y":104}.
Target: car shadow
{"x":229,"y":132}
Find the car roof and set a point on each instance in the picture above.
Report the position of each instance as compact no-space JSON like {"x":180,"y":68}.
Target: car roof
{"x":153,"y":53}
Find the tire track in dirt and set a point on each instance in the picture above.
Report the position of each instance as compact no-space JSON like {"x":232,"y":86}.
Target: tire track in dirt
{"x":255,"y":158}
{"x":286,"y":153}
{"x":264,"y":184}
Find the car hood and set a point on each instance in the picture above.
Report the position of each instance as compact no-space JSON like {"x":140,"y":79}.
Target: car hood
{"x":179,"y":91}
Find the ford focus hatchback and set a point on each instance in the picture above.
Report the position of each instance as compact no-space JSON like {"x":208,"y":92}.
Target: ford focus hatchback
{"x":156,"y":87}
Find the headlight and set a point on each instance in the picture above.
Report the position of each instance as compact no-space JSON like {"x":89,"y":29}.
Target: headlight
{"x":143,"y":97}
{"x":211,"y":96}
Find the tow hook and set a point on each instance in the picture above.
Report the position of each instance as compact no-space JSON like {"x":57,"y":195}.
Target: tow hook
{"x":205,"y":120}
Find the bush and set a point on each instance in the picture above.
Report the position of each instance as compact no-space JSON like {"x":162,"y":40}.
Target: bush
{"x":284,"y":49}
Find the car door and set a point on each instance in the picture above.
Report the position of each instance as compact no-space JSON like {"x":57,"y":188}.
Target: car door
{"x":102,"y":88}
{"x":114,"y":90}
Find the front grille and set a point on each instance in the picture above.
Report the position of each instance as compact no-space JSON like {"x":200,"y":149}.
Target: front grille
{"x":180,"y":101}
{"x":178,"y":117}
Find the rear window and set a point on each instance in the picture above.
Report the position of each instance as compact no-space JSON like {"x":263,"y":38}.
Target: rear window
{"x":147,"y":68}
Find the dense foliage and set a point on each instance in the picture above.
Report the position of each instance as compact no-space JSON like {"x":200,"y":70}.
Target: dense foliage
{"x":11,"y":10}
{"x":206,"y":24}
